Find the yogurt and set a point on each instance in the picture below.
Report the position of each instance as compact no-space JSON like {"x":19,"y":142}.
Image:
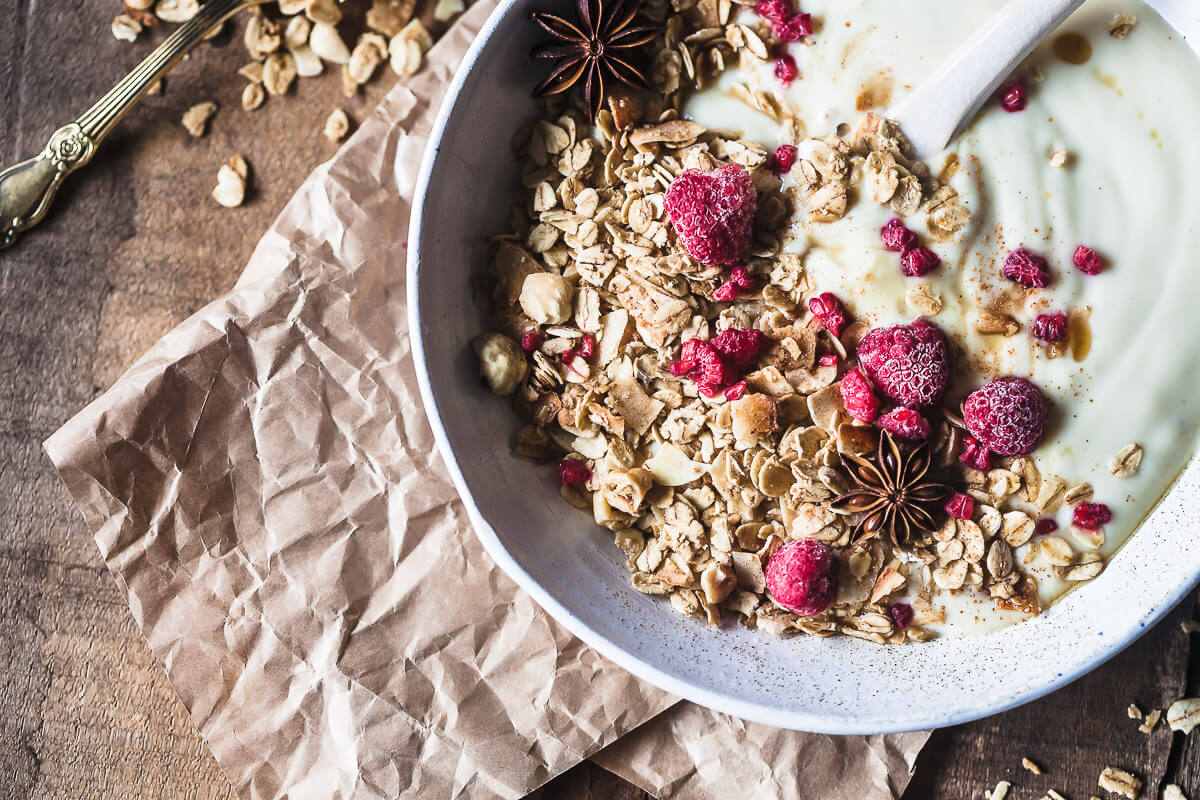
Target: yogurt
{"x":1127,"y":117}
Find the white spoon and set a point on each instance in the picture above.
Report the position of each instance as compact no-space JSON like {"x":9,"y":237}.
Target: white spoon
{"x":937,"y":110}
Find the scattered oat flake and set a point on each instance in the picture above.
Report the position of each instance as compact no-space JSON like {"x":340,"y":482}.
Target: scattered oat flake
{"x":1173,"y":792}
{"x":1031,"y":766}
{"x":1189,"y":626}
{"x":1126,"y":461}
{"x":1133,"y":711}
{"x":1118,"y":781}
{"x":1059,"y":158}
{"x":1000,"y":792}
{"x":1184,"y":715}
{"x":1151,"y":721}
{"x":1054,"y":795}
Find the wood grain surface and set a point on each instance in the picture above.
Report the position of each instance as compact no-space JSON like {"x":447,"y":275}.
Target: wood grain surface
{"x":132,"y":248}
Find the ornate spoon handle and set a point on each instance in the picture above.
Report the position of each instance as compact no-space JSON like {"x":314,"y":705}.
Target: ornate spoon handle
{"x":28,"y":188}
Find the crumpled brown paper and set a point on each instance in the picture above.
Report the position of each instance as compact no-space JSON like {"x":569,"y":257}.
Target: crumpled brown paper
{"x":264,"y":486}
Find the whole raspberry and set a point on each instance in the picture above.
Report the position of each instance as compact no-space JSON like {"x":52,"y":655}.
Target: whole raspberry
{"x":1012,"y":97}
{"x":1026,"y":268}
{"x":713,"y":212}
{"x":740,"y":348}
{"x":918,"y":262}
{"x":975,"y":454}
{"x":772,"y":10}
{"x":858,"y":397}
{"x":736,"y":391}
{"x":961,"y":506}
{"x":572,"y":471}
{"x":1091,"y":516}
{"x":1007,"y":416}
{"x":785,"y":159}
{"x":1051,"y":327}
{"x":908,"y":364}
{"x":786,"y":69}
{"x":896,"y":236}
{"x":531,"y":341}
{"x":801,"y":577}
{"x":827,"y":308}
{"x":1088,"y":261}
{"x":902,"y":614}
{"x":794,"y":28}
{"x":906,"y":425}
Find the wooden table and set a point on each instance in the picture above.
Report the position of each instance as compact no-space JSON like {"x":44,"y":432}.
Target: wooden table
{"x":134,"y":246}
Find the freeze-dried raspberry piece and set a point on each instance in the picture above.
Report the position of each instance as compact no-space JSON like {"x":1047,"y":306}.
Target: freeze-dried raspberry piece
{"x":1026,"y":268}
{"x":572,"y":471}
{"x":736,"y":391}
{"x":908,"y":364}
{"x":785,"y":159}
{"x":1051,"y":327}
{"x":773,"y":10}
{"x":740,"y":348}
{"x":896,"y":236}
{"x":917,"y":262}
{"x":827,"y":308}
{"x":975,"y":454}
{"x":902,"y":614}
{"x":712,"y":374}
{"x":1007,"y":416}
{"x":713,"y":212}
{"x":786,"y":69}
{"x":905,"y":424}
{"x":587,"y":345}
{"x":739,"y":282}
{"x":802,"y":578}
{"x":961,"y":506}
{"x":794,"y":28}
{"x":1045,"y":526}
{"x":1012,"y":97}
{"x":531,"y":341}
{"x":1088,"y":261}
{"x":1091,"y":516}
{"x":858,"y":397}
{"x":827,"y":360}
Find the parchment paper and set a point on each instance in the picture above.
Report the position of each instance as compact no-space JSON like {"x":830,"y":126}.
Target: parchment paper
{"x":264,"y":486}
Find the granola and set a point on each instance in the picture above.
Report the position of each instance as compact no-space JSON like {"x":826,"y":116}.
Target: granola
{"x":697,"y":402}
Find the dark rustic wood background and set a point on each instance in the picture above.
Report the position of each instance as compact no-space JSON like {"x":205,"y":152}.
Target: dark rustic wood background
{"x":133,"y":247}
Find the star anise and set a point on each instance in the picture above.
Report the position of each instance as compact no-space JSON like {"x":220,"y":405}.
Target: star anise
{"x":895,"y":493}
{"x":598,"y":45}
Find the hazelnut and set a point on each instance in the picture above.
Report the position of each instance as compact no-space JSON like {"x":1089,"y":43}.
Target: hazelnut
{"x":501,"y":362}
{"x":547,"y":298}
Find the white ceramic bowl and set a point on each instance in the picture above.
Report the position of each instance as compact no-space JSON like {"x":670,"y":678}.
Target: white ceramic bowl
{"x":572,"y":568}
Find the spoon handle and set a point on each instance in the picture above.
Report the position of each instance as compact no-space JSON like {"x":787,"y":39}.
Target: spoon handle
{"x":938,"y":110}
{"x":27,"y":189}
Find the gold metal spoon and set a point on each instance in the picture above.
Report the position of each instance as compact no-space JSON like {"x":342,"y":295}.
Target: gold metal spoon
{"x":27,"y":189}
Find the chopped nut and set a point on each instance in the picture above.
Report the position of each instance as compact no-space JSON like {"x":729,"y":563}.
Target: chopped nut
{"x":1121,"y":25}
{"x":195,"y":119}
{"x":176,"y":10}
{"x":327,"y":43}
{"x":125,"y":28}
{"x":1189,"y":626}
{"x":407,"y":48}
{"x":502,"y":365}
{"x":279,"y":72}
{"x":1133,"y":711}
{"x":337,"y":125}
{"x":230,"y":190}
{"x":253,"y":96}
{"x":1059,"y":158}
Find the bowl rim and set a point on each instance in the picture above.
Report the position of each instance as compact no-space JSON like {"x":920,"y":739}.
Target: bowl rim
{"x":683,"y":688}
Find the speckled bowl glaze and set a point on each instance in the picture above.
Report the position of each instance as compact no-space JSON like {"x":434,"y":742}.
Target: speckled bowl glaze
{"x":556,"y":553}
